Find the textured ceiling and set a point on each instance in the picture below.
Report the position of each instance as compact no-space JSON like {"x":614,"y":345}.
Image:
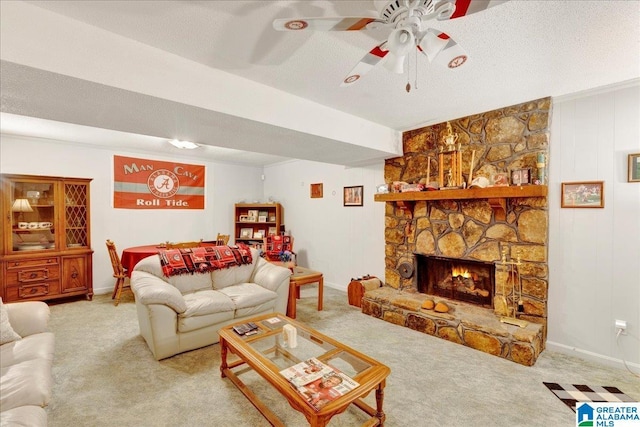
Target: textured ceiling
{"x":519,"y":51}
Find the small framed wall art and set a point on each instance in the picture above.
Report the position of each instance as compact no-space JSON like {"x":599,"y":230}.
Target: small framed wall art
{"x":316,"y":191}
{"x":352,"y":196}
{"x":585,"y":194}
{"x":634,"y":167}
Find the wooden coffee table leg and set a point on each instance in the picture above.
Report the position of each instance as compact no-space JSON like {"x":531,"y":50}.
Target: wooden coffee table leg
{"x":223,"y":356}
{"x":320,"y":292}
{"x":379,"y":399}
{"x":291,"y":306}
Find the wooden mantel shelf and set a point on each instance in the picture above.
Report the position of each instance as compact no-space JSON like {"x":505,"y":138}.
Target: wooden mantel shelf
{"x":496,"y":196}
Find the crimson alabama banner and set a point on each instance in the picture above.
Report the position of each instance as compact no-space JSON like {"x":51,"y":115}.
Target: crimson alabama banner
{"x":153,"y":184}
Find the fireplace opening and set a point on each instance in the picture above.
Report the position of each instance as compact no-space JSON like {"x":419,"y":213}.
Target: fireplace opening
{"x":462,"y":280}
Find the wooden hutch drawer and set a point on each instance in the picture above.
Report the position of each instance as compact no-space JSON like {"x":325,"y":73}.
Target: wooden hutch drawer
{"x":38,"y":290}
{"x":31,"y":274}
{"x":31,"y":262}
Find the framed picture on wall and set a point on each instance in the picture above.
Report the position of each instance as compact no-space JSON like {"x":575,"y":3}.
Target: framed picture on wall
{"x":316,"y":191}
{"x":634,"y":167}
{"x":352,"y":196}
{"x":585,"y":194}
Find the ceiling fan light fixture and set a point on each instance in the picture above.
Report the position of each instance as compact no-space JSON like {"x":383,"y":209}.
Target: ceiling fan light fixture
{"x":394,"y":63}
{"x":183,"y":144}
{"x":401,"y":41}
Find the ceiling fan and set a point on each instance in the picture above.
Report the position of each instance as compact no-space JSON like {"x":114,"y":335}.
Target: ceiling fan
{"x":408,"y":21}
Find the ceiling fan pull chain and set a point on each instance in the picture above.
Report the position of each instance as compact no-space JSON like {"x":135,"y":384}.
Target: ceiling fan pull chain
{"x":408,"y":86}
{"x":415,"y":55}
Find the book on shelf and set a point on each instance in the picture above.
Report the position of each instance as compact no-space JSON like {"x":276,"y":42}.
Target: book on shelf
{"x":318,"y":383}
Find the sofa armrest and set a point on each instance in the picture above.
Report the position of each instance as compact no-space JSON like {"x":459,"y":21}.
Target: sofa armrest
{"x":29,"y":317}
{"x":150,"y":289}
{"x":270,"y":276}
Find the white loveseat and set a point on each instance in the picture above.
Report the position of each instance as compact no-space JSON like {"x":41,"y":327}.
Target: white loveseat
{"x":25,"y":365}
{"x":185,"y":312}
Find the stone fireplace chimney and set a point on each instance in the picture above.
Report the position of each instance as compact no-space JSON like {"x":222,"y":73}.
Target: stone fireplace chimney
{"x":460,"y":226}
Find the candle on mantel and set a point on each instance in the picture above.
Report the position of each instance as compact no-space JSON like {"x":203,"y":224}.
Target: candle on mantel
{"x":540,"y":164}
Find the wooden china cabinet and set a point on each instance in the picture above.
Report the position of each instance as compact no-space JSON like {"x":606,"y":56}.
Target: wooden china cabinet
{"x":46,"y":238}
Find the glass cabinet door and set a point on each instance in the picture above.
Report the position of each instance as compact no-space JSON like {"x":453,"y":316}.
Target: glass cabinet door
{"x":33,"y":215}
{"x":76,"y":215}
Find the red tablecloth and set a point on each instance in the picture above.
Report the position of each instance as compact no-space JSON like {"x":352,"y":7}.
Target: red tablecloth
{"x":131,"y":256}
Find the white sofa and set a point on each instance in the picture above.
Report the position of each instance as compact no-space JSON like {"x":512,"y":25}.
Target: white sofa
{"x":185,"y":312}
{"x":26,"y":365}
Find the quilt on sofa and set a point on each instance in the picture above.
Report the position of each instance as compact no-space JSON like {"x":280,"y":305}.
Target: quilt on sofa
{"x":203,"y":259}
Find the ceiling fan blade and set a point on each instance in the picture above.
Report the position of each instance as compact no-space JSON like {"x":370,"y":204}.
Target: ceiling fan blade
{"x":468,"y":7}
{"x":370,"y":60}
{"x":323,"y":24}
{"x":441,"y":49}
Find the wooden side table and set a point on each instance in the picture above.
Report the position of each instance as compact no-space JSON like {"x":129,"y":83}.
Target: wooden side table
{"x":303,"y":276}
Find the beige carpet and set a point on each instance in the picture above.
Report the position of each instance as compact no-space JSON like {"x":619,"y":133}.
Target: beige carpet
{"x":106,"y":376}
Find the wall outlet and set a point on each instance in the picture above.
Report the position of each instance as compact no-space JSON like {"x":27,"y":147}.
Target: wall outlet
{"x":621,"y":325}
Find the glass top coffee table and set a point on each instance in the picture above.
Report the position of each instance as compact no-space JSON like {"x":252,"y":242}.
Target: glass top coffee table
{"x":267,"y":353}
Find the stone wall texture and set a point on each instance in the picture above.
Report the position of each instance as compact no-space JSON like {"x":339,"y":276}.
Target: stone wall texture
{"x":503,"y":140}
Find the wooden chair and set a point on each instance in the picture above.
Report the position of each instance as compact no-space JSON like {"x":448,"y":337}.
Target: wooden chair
{"x":184,"y":245}
{"x":222,"y":239}
{"x":122,"y":280}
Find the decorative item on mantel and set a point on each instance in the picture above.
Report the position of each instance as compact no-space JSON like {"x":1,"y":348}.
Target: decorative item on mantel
{"x":540,"y":164}
{"x":451,"y":148}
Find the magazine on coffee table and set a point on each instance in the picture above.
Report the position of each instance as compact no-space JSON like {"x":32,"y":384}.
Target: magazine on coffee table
{"x":317,"y":382}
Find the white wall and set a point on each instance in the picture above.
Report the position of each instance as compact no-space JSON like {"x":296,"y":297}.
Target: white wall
{"x":225,"y":185}
{"x":342,"y":242}
{"x":594,"y":254}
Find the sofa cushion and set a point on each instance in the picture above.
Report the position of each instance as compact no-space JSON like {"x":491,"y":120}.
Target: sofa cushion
{"x":32,"y":347}
{"x":185,"y":283}
{"x":187,"y":324}
{"x":24,"y":416}
{"x":246,"y":295}
{"x":234,"y":275}
{"x":25,"y":383}
{"x":205,"y":308}
{"x":207,"y":302}
{"x":7,"y":334}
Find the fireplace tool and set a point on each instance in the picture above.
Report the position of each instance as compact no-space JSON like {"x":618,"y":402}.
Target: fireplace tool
{"x":516,"y":286}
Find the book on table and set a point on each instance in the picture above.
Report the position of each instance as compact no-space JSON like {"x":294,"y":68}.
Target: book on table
{"x":317,"y":382}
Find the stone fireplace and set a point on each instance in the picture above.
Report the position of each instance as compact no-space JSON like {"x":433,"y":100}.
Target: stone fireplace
{"x":465,"y":226}
{"x":459,"y":280}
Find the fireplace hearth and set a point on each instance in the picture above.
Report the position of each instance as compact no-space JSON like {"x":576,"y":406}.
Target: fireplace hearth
{"x":467,"y":281}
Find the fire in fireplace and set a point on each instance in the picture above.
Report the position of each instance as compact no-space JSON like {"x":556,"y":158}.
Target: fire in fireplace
{"x":462,"y":280}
